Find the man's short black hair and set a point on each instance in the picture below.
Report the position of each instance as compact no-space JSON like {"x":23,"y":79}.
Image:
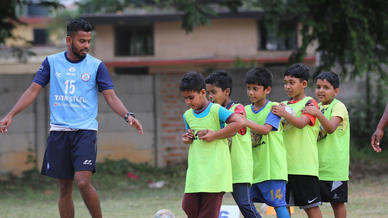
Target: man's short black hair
{"x":78,"y":24}
{"x":192,"y":81}
{"x":259,"y":76}
{"x":331,"y":77}
{"x":299,"y":71}
{"x":221,"y":79}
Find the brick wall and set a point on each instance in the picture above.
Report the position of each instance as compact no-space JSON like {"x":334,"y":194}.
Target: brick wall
{"x":171,"y":122}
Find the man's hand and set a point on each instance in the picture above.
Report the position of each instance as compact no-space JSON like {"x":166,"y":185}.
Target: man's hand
{"x":188,"y":136}
{"x":5,"y":123}
{"x":375,"y":141}
{"x":135,"y":124}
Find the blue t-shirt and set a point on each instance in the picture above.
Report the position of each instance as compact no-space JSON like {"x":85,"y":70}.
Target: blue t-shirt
{"x":223,"y":114}
{"x":73,"y":89}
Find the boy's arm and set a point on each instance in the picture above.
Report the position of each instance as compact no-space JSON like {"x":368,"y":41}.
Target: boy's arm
{"x":261,"y":129}
{"x":24,"y":101}
{"x":235,"y":122}
{"x":298,"y":122}
{"x":329,"y":125}
{"x":379,"y":132}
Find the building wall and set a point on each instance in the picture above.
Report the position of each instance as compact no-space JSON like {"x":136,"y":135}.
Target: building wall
{"x":222,"y":38}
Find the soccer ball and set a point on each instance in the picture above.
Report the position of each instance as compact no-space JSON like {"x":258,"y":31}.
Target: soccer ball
{"x":164,"y":213}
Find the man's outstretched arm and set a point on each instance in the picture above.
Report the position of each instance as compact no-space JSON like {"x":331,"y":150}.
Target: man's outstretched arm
{"x":379,"y":132}
{"x":24,"y":101}
{"x":118,"y":107}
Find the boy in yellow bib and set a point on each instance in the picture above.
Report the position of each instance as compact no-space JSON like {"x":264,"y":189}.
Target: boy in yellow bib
{"x":209,"y":172}
{"x":333,"y":143}
{"x":269,"y":152}
{"x":300,"y":138}
{"x":219,"y":88}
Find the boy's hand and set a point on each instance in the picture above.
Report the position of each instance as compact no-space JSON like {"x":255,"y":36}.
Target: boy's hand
{"x":375,"y":141}
{"x":279,"y":110}
{"x":188,"y":136}
{"x":311,"y":109}
{"x":206,"y":135}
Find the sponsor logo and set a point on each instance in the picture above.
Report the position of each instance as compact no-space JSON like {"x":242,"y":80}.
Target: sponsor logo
{"x":69,"y":98}
{"x":311,"y":201}
{"x":71,"y":69}
{"x":87,"y":162}
{"x":58,"y":74}
{"x":85,"y":77}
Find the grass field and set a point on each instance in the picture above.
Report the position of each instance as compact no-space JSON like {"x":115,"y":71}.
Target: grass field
{"x":36,"y":196}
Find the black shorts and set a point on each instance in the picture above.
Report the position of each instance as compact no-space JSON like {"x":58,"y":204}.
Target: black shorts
{"x":303,"y":191}
{"x":334,"y":191}
{"x":68,"y":152}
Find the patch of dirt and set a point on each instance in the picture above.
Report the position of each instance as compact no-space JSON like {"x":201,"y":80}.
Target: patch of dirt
{"x":361,"y":169}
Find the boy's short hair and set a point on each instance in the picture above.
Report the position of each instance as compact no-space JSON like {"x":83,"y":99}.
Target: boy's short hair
{"x":259,"y":76}
{"x":299,"y":70}
{"x":192,"y":81}
{"x":78,"y":24}
{"x":331,"y":77}
{"x":221,"y":79}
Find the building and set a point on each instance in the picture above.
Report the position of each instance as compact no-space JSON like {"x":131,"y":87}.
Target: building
{"x":154,"y":42}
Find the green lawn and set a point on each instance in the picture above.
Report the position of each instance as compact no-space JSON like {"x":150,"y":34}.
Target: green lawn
{"x":367,"y":198}
{"x":33,"y":195}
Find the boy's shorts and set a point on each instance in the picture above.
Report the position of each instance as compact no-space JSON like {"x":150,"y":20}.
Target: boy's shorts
{"x":303,"y":191}
{"x":271,"y":192}
{"x":68,"y":152}
{"x":334,"y":191}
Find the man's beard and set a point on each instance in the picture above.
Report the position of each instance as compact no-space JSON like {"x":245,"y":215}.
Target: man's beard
{"x":76,"y":53}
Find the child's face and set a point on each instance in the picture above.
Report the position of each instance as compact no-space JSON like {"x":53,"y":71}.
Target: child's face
{"x":325,"y":92}
{"x":294,"y":87}
{"x":257,"y":93}
{"x":195,"y":100}
{"x":217,"y":95}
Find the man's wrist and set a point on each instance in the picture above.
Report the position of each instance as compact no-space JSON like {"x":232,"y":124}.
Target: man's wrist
{"x":127,"y":115}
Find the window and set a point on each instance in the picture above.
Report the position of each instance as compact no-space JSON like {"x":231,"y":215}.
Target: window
{"x":36,"y":10}
{"x":271,"y":40}
{"x":134,"y":40}
{"x":40,"y":37}
{"x":131,"y":70}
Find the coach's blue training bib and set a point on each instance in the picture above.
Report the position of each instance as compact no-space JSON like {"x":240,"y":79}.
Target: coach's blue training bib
{"x":73,"y":92}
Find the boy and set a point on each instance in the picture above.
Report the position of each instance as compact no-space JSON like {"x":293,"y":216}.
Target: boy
{"x":209,"y":173}
{"x":300,"y":138}
{"x":269,"y":153}
{"x":333,"y":143}
{"x":219,"y":89}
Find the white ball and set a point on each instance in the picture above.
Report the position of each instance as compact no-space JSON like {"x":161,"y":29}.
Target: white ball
{"x":164,"y":213}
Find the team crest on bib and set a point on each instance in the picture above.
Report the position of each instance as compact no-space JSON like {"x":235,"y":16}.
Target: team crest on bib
{"x":85,"y":77}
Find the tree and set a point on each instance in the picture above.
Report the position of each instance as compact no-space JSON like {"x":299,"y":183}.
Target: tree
{"x":9,"y":11}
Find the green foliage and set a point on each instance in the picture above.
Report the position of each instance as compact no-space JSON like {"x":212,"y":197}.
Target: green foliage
{"x":365,"y":115}
{"x":9,"y":15}
{"x":111,"y":174}
{"x":241,"y":64}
